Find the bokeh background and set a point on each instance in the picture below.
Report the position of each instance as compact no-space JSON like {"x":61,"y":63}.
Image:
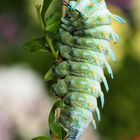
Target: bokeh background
{"x":25,"y":100}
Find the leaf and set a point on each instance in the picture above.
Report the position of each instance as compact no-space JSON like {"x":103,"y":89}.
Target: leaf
{"x":49,"y":75}
{"x":53,"y":28}
{"x":51,"y":14}
{"x":53,"y":22}
{"x":55,"y":128}
{"x":35,"y":45}
{"x":54,"y":6}
{"x":46,"y":4}
{"x":41,"y":138}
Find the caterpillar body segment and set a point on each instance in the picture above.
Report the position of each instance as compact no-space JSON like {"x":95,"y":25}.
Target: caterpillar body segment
{"x":92,"y":17}
{"x":97,"y":19}
{"x":87,"y":56}
{"x":80,"y":122}
{"x":78,"y":69}
{"x":101,"y":32}
{"x":96,"y":45}
{"x":85,"y":36}
{"x":77,"y":84}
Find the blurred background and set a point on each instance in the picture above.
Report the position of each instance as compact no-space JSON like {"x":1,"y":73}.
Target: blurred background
{"x":25,"y":100}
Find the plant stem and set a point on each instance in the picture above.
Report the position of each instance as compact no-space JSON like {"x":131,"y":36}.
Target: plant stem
{"x":48,"y":39}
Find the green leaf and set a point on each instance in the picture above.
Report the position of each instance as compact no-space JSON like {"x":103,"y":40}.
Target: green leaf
{"x":38,"y":9}
{"x":54,"y":6}
{"x":53,"y":28}
{"x":35,"y":45}
{"x":55,"y":127}
{"x":52,"y":15}
{"x":49,"y":75}
{"x":53,"y":22}
{"x":46,"y":4}
{"x":41,"y":138}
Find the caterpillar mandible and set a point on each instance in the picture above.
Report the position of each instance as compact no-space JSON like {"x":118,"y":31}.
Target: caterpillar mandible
{"x":85,"y":34}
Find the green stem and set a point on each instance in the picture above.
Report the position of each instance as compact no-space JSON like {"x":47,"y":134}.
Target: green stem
{"x":48,"y":39}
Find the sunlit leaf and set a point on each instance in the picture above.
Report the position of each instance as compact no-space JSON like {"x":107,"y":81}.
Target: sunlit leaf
{"x":53,"y":22}
{"x":51,"y":15}
{"x":54,"y":6}
{"x":46,"y":4}
{"x":49,"y":75}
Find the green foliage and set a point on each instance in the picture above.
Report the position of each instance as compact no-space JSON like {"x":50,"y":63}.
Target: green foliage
{"x":51,"y":14}
{"x":49,"y":75}
{"x":56,"y":129}
{"x":53,"y":22}
{"x":46,"y":4}
{"x":49,"y":18}
{"x":37,"y":45}
{"x":53,"y":7}
{"x":42,"y":138}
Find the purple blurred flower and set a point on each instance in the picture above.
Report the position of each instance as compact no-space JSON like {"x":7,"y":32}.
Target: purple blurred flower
{"x":123,"y":4}
{"x":126,"y":6}
{"x":9,"y":27}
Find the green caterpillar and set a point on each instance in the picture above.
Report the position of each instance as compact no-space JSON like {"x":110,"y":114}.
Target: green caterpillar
{"x":85,"y":34}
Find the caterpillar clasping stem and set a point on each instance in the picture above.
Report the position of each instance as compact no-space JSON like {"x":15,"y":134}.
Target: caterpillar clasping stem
{"x":84,"y":45}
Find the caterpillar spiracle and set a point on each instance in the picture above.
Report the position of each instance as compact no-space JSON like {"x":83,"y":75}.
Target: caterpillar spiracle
{"x":85,"y":34}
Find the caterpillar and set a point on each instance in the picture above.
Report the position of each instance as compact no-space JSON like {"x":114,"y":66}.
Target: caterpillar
{"x":85,"y":36}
